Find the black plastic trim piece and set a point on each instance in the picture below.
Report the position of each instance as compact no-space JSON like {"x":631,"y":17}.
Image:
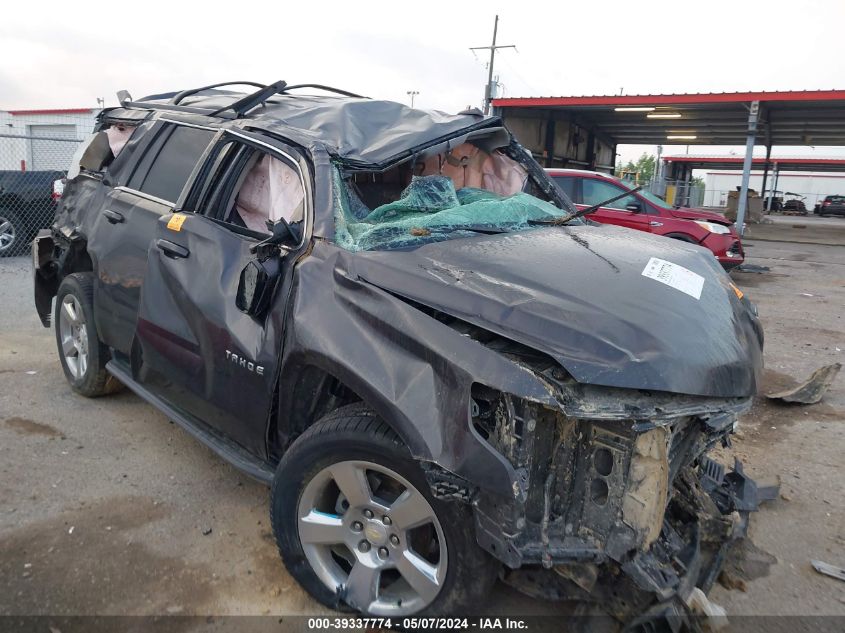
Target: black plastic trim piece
{"x":255,"y":99}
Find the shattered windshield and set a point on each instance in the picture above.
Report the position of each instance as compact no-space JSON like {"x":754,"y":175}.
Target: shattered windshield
{"x":457,"y":195}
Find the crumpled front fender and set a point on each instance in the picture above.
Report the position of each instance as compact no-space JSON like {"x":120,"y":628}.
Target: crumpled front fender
{"x":414,"y":370}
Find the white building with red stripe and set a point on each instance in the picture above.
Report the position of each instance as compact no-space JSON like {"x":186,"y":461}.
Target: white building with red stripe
{"x":37,"y":140}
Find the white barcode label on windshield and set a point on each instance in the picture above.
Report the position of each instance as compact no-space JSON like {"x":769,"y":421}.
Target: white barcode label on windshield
{"x":677,"y":277}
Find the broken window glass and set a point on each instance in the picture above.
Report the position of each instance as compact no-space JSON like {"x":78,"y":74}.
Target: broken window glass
{"x":373,"y":212}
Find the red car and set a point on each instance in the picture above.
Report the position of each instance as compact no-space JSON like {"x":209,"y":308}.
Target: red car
{"x":644,"y":211}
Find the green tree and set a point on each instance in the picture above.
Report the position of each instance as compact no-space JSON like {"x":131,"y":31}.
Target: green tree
{"x":644,"y":165}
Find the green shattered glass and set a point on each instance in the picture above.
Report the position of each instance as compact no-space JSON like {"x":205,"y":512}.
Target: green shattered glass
{"x":431,"y":210}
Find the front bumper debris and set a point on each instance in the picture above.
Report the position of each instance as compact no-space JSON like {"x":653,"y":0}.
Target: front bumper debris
{"x":655,"y":584}
{"x":630,"y":516}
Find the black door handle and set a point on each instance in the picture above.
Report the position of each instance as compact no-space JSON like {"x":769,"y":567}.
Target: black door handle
{"x":172,"y":250}
{"x":113,"y":216}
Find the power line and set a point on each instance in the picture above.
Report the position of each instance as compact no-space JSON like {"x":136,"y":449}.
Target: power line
{"x":488,"y":91}
{"x":511,"y":69}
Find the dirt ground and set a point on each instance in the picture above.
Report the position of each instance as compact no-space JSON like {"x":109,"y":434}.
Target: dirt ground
{"x":108,"y":508}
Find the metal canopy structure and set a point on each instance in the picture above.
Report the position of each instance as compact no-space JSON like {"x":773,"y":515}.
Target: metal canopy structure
{"x":807,"y":117}
{"x":803,"y":163}
{"x":584,"y":131}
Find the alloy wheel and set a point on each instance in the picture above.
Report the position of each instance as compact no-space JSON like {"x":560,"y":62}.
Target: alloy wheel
{"x":73,"y":332}
{"x":369,"y":533}
{"x":7,"y":234}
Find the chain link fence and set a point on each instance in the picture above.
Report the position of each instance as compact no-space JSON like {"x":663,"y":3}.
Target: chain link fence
{"x":678,"y":193}
{"x":789,"y":202}
{"x":34,"y":159}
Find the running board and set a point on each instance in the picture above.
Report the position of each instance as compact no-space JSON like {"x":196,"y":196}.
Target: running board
{"x":228,"y":450}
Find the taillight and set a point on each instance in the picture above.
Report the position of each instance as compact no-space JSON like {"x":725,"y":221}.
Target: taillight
{"x":827,"y":203}
{"x":58,"y":189}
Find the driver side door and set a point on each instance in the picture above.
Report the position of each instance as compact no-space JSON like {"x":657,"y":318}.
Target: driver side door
{"x":596,"y":190}
{"x":194,"y":348}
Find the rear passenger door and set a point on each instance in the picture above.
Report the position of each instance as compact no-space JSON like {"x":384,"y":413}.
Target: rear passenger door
{"x":126,"y":224}
{"x":196,"y":350}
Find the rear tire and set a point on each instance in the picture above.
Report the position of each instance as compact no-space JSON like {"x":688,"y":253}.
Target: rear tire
{"x":82,"y":355}
{"x":347,"y":473}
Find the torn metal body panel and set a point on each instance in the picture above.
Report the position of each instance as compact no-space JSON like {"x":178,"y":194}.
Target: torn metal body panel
{"x":551,"y":381}
{"x":424,"y":372}
{"x":828,"y":570}
{"x":809,"y":391}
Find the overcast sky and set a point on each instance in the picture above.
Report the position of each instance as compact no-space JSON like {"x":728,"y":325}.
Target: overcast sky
{"x":61,"y":54}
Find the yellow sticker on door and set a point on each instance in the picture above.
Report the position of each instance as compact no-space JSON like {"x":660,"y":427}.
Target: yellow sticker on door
{"x":176,"y":221}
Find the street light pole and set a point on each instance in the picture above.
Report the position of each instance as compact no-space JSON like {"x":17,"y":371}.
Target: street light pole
{"x":412,"y":94}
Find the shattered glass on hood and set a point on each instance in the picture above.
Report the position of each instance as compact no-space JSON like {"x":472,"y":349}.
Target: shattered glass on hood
{"x":431,"y":210}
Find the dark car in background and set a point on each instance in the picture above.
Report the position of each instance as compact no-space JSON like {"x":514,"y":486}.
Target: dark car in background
{"x":831,"y":205}
{"x":644,"y":211}
{"x":27,"y":204}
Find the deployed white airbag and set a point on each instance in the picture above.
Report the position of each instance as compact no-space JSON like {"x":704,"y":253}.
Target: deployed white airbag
{"x":469,"y":166}
{"x":270,"y":191}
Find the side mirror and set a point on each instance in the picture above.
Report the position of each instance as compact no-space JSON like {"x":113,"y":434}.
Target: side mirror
{"x":256,"y":286}
{"x":634,"y":207}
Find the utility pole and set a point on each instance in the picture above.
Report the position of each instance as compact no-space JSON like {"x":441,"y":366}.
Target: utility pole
{"x":488,"y":91}
{"x":753,"y":112}
{"x":412,"y":94}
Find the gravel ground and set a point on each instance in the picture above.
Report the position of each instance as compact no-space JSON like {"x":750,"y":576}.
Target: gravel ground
{"x":108,"y":508}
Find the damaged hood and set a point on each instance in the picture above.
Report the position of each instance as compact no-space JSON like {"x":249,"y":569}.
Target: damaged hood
{"x":578,"y":294}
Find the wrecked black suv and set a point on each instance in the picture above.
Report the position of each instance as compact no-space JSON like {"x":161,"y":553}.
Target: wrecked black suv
{"x":398,"y":320}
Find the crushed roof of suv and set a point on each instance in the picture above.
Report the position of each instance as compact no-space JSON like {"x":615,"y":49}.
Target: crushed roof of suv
{"x":357,"y":129}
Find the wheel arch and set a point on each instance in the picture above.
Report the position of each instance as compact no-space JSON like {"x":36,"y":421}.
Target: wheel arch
{"x":56,"y":260}
{"x":683,"y":237}
{"x":308,"y":391}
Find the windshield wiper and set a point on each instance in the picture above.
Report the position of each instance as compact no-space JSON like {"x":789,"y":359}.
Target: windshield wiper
{"x":585,"y":211}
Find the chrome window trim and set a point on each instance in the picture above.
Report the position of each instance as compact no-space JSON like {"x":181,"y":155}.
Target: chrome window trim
{"x":196,"y":125}
{"x":306,"y":213}
{"x":146,"y":196}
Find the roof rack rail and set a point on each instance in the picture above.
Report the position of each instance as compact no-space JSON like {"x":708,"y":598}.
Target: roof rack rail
{"x":326,"y":88}
{"x":247,"y":103}
{"x":177,"y":99}
{"x":238,"y":108}
{"x":125,"y":101}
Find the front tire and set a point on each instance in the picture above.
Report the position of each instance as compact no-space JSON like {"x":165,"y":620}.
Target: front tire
{"x":357,"y":526}
{"x":82,"y":355}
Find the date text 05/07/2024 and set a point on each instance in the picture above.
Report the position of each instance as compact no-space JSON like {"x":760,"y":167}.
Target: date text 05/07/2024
{"x":419,"y":624}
